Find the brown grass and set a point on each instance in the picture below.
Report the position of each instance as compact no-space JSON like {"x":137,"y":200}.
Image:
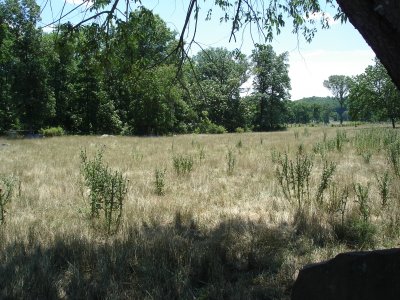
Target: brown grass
{"x":212,"y":235}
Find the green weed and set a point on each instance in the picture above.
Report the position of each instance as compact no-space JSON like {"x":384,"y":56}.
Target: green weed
{"x":294,"y":177}
{"x":159,"y":182}
{"x":384,"y":187}
{"x":107,"y":190}
{"x":7,"y":185}
{"x":326,"y":176}
{"x":183,"y":164}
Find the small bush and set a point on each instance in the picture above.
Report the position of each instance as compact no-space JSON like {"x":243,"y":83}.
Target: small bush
{"x":362,"y":194}
{"x":107,"y":190}
{"x":393,"y":155}
{"x":216,"y":129}
{"x":52,"y":131}
{"x":384,"y":187}
{"x":239,"y":130}
{"x":326,"y":176}
{"x":183,"y":164}
{"x":357,"y":233}
{"x":294,"y":176}
{"x":206,"y":126}
{"x":338,"y":201}
{"x":159,"y":182}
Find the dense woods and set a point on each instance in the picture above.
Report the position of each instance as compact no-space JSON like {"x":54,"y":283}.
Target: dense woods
{"x":127,"y":78}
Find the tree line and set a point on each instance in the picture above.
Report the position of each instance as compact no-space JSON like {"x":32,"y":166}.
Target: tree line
{"x":127,"y":78}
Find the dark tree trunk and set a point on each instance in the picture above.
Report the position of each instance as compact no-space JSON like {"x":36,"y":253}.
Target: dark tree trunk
{"x":393,"y":122}
{"x":378,"y":21}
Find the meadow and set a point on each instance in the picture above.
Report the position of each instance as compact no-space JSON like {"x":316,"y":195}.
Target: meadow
{"x":231,"y":216}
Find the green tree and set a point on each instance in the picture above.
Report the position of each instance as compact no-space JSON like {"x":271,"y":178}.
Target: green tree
{"x":219,"y":73}
{"x":271,"y":85}
{"x":93,"y":110}
{"x":373,"y":95}
{"x":158,"y":108}
{"x":8,"y":115}
{"x":63,"y":70}
{"x":339,"y":86}
{"x":30,"y":88}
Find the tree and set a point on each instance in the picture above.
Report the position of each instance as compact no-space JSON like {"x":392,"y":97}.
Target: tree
{"x":30,"y":89}
{"x":271,"y":85}
{"x":7,"y":61}
{"x":141,"y":75}
{"x":339,"y":87}
{"x":373,"y":95}
{"x":219,"y":73}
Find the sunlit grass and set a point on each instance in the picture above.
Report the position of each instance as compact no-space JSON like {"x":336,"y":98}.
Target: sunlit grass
{"x":236,"y":223}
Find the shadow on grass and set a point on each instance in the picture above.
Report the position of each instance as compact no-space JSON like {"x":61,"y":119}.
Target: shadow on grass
{"x":238,"y":259}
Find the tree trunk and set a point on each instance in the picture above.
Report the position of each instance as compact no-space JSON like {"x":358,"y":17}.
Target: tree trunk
{"x":378,"y":22}
{"x":393,"y":122}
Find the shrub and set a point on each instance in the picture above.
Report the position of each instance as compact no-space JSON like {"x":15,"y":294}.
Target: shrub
{"x":383,"y":186}
{"x":294,"y":176}
{"x":52,"y":131}
{"x":393,"y":155}
{"x":362,"y":194}
{"x":183,"y":164}
{"x":216,"y":129}
{"x":338,"y":201}
{"x":239,"y":130}
{"x":159,"y":182}
{"x":326,"y":176}
{"x":206,"y":126}
{"x":356,"y":233}
{"x":107,"y":190}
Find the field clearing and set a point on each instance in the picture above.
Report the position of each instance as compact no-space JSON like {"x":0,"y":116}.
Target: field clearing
{"x":224,"y":230}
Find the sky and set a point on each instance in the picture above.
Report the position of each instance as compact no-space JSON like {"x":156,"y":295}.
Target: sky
{"x":339,"y":50}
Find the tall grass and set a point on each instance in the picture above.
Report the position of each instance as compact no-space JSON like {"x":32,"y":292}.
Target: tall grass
{"x":212,"y":234}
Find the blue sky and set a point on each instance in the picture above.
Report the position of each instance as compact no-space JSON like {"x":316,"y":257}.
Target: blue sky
{"x":338,"y":50}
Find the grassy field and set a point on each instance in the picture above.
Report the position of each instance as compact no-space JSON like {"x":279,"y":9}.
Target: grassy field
{"x":231,"y":216}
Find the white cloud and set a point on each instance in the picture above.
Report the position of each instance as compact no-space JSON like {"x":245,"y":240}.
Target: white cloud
{"x":308,"y":70}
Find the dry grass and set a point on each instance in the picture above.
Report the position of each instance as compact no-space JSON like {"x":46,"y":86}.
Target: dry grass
{"x":211,"y":235}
